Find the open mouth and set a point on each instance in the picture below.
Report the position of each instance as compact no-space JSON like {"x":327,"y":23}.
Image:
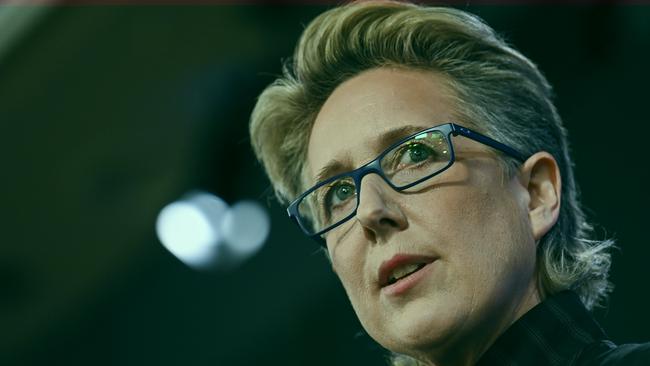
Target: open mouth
{"x":401,"y":267}
{"x":403,"y":272}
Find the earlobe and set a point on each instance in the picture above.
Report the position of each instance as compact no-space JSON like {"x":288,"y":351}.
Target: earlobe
{"x":544,"y":185}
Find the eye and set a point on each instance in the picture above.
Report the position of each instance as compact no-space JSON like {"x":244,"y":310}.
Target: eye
{"x":414,"y":153}
{"x":339,"y":193}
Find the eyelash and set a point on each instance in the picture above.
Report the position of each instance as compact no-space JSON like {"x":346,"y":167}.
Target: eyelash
{"x":400,"y":153}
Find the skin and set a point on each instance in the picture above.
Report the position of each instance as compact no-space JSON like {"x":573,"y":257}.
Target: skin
{"x":482,"y":227}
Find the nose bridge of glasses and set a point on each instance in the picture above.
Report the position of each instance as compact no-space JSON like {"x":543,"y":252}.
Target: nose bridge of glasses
{"x":375,"y":202}
{"x":372,"y":188}
{"x":374,"y":170}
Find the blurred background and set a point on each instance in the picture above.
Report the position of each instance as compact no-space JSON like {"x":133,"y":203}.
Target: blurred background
{"x":110,"y":113}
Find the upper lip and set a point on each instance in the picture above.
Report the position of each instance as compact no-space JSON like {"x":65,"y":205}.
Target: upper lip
{"x":387,"y":267}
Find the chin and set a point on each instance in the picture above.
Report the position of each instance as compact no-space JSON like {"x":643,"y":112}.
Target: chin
{"x":422,"y":327}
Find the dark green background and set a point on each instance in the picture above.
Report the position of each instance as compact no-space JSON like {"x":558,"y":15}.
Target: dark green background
{"x":107,"y":113}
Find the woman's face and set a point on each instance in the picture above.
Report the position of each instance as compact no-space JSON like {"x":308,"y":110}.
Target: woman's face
{"x":465,"y":233}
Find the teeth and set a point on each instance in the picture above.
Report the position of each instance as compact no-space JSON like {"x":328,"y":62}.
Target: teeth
{"x":404,"y":271}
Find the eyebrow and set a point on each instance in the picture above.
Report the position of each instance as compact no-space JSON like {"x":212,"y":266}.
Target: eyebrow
{"x":393,"y":135}
{"x":330,"y":169}
{"x":380,"y":143}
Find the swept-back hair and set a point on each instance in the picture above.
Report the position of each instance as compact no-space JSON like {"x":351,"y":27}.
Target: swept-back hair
{"x":496,"y":89}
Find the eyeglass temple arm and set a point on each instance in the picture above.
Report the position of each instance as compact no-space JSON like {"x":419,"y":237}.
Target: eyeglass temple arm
{"x":460,"y":130}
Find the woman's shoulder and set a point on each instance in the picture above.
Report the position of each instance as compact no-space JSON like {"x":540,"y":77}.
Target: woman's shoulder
{"x":606,"y":353}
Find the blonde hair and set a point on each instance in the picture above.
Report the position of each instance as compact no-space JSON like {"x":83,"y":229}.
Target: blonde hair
{"x":497,"y":89}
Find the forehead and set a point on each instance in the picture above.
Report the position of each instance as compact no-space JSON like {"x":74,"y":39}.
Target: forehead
{"x":350,"y":125}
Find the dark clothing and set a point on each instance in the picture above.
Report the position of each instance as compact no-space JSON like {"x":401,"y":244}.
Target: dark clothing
{"x":561,"y":332}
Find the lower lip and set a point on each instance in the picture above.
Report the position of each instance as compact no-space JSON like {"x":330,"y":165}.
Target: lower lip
{"x":406,"y":283}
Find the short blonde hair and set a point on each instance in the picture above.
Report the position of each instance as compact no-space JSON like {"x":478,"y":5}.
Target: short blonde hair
{"x":497,"y":89}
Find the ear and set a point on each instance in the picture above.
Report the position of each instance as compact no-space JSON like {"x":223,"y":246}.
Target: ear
{"x":540,"y":175}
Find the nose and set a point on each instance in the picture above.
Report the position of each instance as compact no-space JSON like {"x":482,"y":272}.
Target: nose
{"x":379,"y":212}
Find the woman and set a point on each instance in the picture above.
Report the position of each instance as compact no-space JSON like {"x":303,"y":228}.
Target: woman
{"x":427,"y":158}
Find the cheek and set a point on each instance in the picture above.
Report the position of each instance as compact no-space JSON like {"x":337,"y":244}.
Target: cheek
{"x":348,"y":264}
{"x":499,"y":252}
{"x":483,"y":231}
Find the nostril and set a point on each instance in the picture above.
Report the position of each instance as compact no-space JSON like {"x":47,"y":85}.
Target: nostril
{"x":387,"y":221}
{"x":369,"y":234}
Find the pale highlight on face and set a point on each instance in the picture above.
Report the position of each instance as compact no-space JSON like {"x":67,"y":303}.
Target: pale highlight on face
{"x":471,"y":223}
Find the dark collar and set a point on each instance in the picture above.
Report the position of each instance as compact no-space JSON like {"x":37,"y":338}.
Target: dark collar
{"x":552,"y":333}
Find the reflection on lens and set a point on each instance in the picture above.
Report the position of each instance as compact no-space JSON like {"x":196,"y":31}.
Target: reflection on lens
{"x":417,"y":158}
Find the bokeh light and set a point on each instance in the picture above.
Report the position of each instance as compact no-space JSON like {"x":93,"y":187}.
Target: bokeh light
{"x":204,"y":233}
{"x":245,"y":228}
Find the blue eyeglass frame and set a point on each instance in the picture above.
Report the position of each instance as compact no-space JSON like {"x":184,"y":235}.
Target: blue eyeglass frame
{"x":374,"y":166}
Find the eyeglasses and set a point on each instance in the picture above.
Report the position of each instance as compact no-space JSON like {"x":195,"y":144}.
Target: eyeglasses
{"x":404,"y":164}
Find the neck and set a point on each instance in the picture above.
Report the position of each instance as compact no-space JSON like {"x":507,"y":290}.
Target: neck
{"x":468,"y":350}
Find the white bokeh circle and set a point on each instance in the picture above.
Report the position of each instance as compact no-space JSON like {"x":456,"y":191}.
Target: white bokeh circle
{"x":203,"y":232}
{"x":245,"y":227}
